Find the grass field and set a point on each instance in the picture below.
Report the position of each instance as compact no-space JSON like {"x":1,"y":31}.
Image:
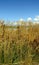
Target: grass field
{"x":19,"y":45}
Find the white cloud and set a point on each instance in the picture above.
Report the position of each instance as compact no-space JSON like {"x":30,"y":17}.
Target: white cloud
{"x":36,"y":19}
{"x":29,"y":19}
{"x":21,"y":19}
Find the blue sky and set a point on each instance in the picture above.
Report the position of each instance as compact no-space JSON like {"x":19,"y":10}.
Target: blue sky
{"x":16,"y":9}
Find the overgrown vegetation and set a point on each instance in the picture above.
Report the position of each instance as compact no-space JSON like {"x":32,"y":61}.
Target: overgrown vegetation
{"x":19,"y":45}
